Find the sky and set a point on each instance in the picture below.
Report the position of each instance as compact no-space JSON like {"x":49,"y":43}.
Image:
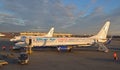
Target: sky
{"x":67,"y":16}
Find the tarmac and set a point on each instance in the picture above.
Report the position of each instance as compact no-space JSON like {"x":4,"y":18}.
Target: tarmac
{"x":51,"y":59}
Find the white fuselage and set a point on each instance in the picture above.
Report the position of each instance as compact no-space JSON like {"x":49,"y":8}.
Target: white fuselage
{"x":62,"y":41}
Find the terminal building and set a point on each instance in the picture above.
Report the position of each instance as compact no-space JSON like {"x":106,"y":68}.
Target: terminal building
{"x":42,"y":34}
{"x":54,"y":35}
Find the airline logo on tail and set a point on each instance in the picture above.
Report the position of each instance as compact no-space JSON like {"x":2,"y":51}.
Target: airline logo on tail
{"x":102,"y":35}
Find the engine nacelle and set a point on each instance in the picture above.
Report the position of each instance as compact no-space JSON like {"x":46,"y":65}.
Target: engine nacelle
{"x":64,"y":48}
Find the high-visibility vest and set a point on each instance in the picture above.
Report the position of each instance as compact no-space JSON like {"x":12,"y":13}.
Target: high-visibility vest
{"x":114,"y":55}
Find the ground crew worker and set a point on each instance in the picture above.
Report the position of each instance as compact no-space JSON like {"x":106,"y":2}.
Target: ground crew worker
{"x":115,"y":56}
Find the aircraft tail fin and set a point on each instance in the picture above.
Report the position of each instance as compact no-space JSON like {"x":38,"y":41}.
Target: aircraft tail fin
{"x":50,"y":33}
{"x":103,"y":32}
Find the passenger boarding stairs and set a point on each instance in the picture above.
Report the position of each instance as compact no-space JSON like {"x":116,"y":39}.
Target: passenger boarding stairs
{"x":102,"y":47}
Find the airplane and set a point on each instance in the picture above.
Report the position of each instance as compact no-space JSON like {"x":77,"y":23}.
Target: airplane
{"x":22,"y":38}
{"x":61,"y":43}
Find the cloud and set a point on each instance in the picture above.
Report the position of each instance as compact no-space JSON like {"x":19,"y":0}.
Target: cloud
{"x":6,"y":18}
{"x":35,"y":15}
{"x":42,"y":13}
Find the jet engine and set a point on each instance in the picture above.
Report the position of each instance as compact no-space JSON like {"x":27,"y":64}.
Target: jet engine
{"x":64,"y":48}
